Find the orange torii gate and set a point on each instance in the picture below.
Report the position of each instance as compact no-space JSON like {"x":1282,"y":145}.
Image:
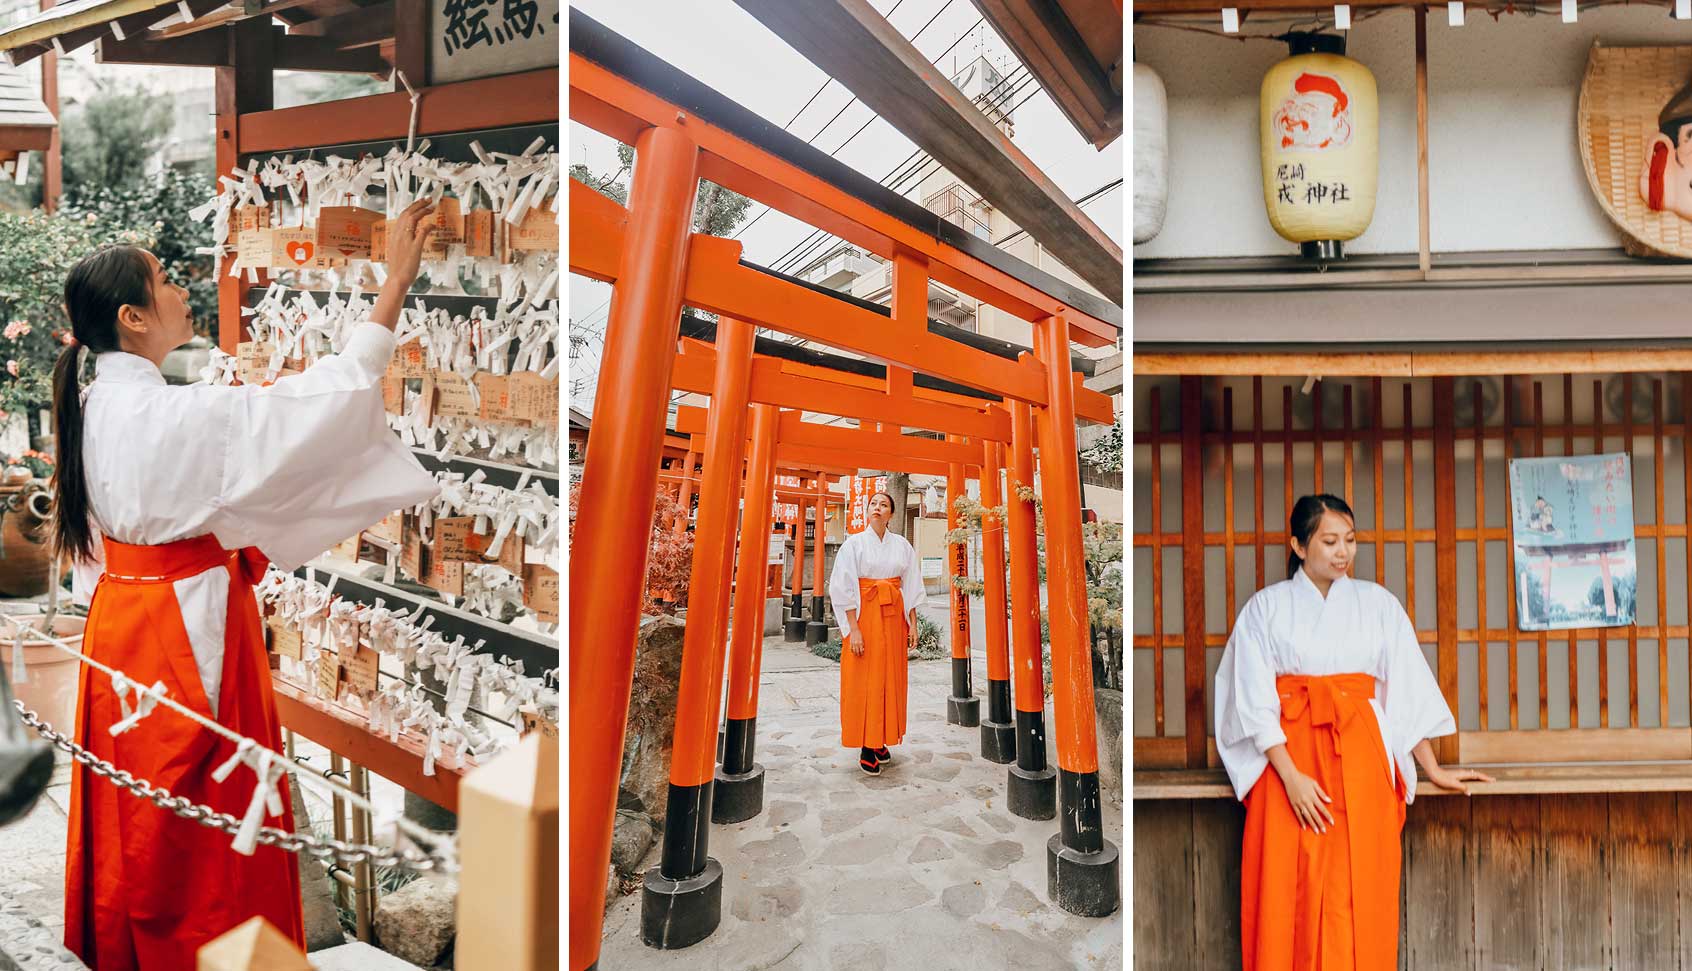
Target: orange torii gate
{"x":683,"y":131}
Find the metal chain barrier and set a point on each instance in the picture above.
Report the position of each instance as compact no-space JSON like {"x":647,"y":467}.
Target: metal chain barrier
{"x":323,"y":849}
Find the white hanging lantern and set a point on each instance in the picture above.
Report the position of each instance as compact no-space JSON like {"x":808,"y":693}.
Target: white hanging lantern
{"x":1151,"y":153}
{"x":1320,"y":122}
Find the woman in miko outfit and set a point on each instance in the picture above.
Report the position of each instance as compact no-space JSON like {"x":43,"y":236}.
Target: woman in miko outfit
{"x":1323,"y":680}
{"x":179,"y":496}
{"x":876,"y":587}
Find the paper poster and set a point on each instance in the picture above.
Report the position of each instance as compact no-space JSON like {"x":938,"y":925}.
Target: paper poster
{"x":1572,"y":524}
{"x":778,"y":547}
{"x":933,"y":567}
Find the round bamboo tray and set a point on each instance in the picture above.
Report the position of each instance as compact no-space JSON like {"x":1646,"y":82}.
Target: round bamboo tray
{"x":1620,"y":96}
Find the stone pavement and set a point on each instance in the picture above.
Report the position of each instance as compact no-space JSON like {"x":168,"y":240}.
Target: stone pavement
{"x":920,"y":868}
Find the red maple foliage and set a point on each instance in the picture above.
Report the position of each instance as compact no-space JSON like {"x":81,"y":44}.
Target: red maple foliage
{"x":669,"y":554}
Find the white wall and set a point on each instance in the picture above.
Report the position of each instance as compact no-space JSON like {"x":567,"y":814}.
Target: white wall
{"x":1504,"y":164}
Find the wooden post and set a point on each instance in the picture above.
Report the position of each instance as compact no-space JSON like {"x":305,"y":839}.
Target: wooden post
{"x":256,"y":944}
{"x":1424,"y":257}
{"x":1192,"y":566}
{"x":1445,"y":548}
{"x":243,"y":87}
{"x":53,"y":174}
{"x":962,"y":707}
{"x":508,"y":848}
{"x":619,"y":487}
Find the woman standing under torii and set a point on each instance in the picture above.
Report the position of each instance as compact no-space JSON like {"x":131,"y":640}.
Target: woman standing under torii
{"x":876,"y":587}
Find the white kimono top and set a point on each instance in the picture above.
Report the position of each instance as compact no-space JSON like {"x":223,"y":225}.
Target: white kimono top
{"x":864,"y":556}
{"x":292,"y":469}
{"x":1289,"y":628}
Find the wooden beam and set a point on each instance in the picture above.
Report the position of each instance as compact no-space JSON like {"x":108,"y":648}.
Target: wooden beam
{"x":362,"y":27}
{"x":1192,"y":568}
{"x":229,"y":15}
{"x":1404,"y":364}
{"x":205,"y":49}
{"x":325,"y":54}
{"x":1052,"y":46}
{"x":852,"y":43}
{"x":1445,"y":551}
{"x":528,"y":98}
{"x":146,"y":13}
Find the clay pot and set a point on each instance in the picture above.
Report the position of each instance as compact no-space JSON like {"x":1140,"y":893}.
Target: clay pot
{"x":50,"y":690}
{"x":26,"y":536}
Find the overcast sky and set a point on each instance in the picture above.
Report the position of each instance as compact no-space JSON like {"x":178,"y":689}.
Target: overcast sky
{"x":720,"y":44}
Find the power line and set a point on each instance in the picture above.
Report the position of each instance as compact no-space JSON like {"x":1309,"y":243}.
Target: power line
{"x":978,"y":22}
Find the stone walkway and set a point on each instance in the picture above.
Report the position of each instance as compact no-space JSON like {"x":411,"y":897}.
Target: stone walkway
{"x":920,"y":868}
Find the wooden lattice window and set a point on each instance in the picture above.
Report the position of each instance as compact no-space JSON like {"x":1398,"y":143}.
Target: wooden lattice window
{"x":1219,"y":461}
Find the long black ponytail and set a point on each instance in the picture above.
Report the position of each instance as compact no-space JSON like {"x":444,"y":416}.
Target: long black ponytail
{"x":1306,"y":516}
{"x":96,"y":288}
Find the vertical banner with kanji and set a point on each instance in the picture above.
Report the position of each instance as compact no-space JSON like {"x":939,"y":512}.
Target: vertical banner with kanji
{"x":858,"y":492}
{"x":1572,"y":524}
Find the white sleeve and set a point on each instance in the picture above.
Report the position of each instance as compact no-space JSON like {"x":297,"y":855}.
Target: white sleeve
{"x":1248,"y":707}
{"x":309,"y":461}
{"x":911,"y":585}
{"x":843,"y":585}
{"x":1409,"y":694}
{"x":86,"y":574}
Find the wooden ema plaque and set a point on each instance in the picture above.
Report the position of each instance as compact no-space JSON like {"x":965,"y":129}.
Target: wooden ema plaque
{"x":328,"y":675}
{"x":537,"y":231}
{"x":253,"y":946}
{"x":411,"y":551}
{"x":284,"y":640}
{"x":297,"y":249}
{"x":253,"y":248}
{"x":411,"y":357}
{"x":453,"y":397}
{"x":393,"y":389}
{"x":495,"y":392}
{"x":345,"y":231}
{"x":250,"y":218}
{"x":379,"y":241}
{"x":534,"y":399}
{"x":362,"y":671}
{"x":540,"y":591}
{"x":440,"y":573}
{"x":252,"y":361}
{"x":456,"y":539}
{"x":479,"y":234}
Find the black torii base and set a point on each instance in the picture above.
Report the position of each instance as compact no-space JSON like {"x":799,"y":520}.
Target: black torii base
{"x":680,"y":913}
{"x":963,"y":711}
{"x":793,"y":629}
{"x":738,"y":796}
{"x":998,"y":732}
{"x":1083,"y":869}
{"x":1087,"y":884}
{"x":1032,"y":793}
{"x":816,"y":631}
{"x":962,"y":708}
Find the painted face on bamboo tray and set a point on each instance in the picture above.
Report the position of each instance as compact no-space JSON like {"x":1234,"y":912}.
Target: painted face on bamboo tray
{"x":1665,"y":183}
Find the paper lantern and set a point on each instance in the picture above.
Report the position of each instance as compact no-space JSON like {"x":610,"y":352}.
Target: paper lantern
{"x":1319,"y":119}
{"x":1151,"y":153}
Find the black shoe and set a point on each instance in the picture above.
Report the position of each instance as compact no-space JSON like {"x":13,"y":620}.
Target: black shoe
{"x":867,"y":762}
{"x":882,"y":755}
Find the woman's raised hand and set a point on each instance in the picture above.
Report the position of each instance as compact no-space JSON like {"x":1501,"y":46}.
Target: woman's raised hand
{"x":407,"y":237}
{"x":1308,"y":800}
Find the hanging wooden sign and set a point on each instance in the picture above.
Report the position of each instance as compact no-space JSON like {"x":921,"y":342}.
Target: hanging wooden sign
{"x":482,"y":38}
{"x":346,"y":230}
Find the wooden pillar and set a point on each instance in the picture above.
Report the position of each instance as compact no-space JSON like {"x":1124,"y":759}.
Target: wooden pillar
{"x":245,"y":86}
{"x":618,"y":489}
{"x":1083,"y":868}
{"x":53,"y":173}
{"x":962,"y":707}
{"x":1192,"y":566}
{"x":816,"y":629}
{"x":684,"y":496}
{"x":1445,"y":550}
{"x":1031,"y":789}
{"x":508,"y":848}
{"x":739,"y":783}
{"x":998,"y":731}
